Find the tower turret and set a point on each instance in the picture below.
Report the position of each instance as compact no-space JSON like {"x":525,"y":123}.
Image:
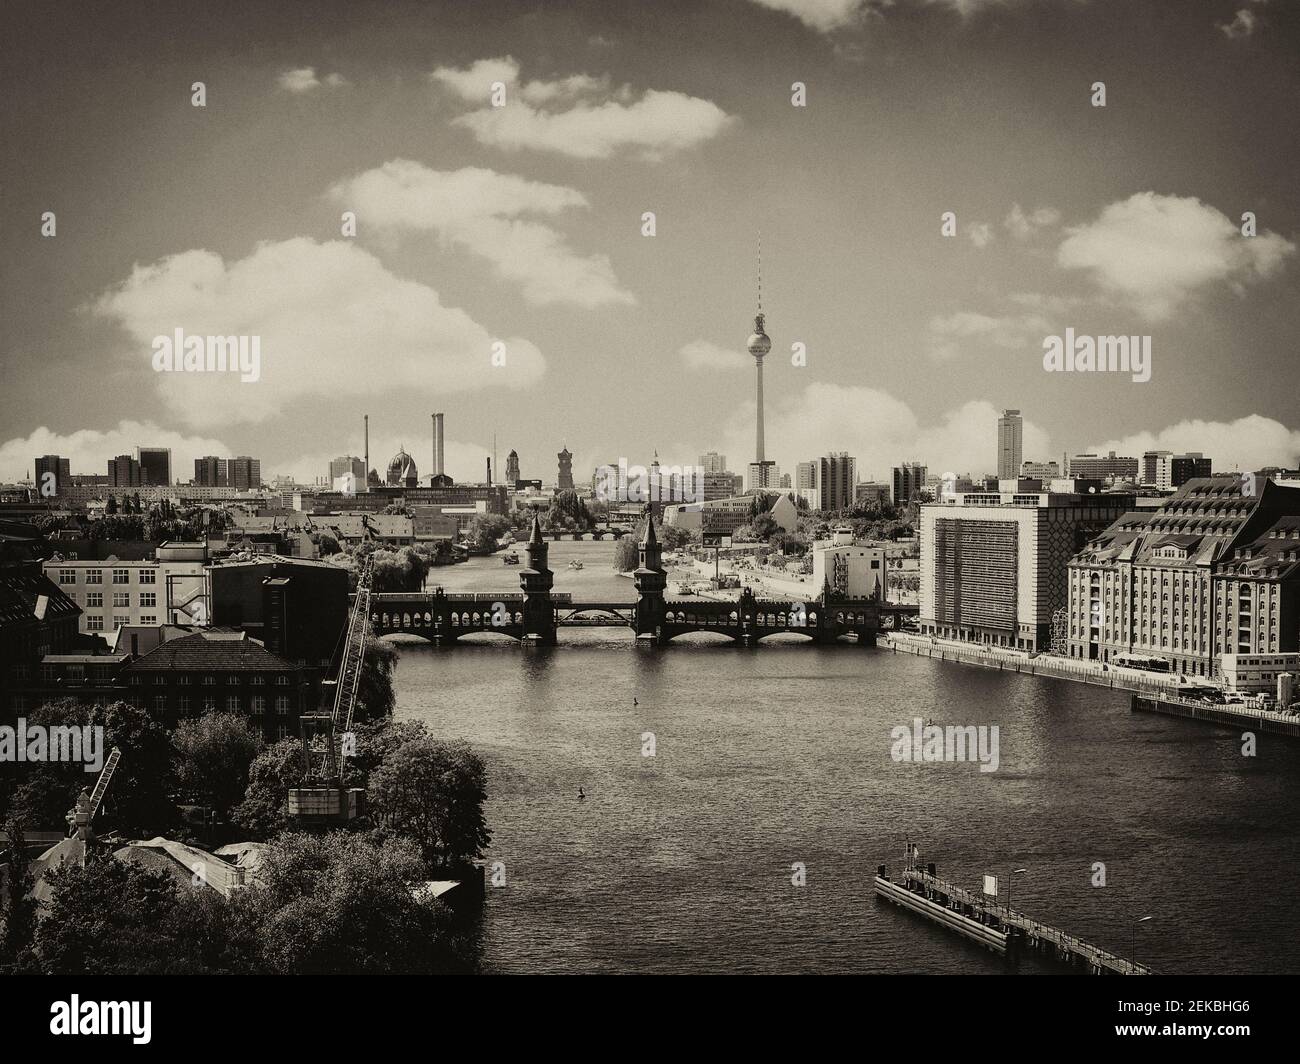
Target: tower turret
{"x":651,"y":580}
{"x":536,"y":582}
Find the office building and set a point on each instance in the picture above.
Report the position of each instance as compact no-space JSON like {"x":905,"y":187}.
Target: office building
{"x":123,"y":472}
{"x":712,"y":462}
{"x":59,"y":469}
{"x":1011,"y":428}
{"x":909,"y":479}
{"x":837,"y":473}
{"x":1102,"y":467}
{"x":155,"y":465}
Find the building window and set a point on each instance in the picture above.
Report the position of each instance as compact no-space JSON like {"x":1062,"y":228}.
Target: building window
{"x":121,"y":600}
{"x":160,"y":680}
{"x":67,"y":576}
{"x":282,"y":705}
{"x":232,"y":704}
{"x":148,"y":618}
{"x":94,"y":576}
{"x":121,"y":576}
{"x":160,"y":702}
{"x":183,"y":681}
{"x":283,"y":731}
{"x":183,"y":703}
{"x":94,"y":623}
{"x":148,"y":576}
{"x":148,"y":598}
{"x":94,"y":598}
{"x":209,"y":705}
{"x":259,"y":705}
{"x":209,"y":681}
{"x":282,"y":681}
{"x":258,"y":681}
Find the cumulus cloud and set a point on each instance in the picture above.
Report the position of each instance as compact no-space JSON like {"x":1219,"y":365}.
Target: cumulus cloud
{"x":580,"y":116}
{"x":332,"y":321}
{"x":89,"y":450}
{"x":981,"y":234}
{"x":705,"y":355}
{"x":827,"y":16}
{"x":876,"y":428}
{"x":1242,"y":25}
{"x":304,"y":80}
{"x":1159,"y":252}
{"x":951,"y":335}
{"x":1022,"y":226}
{"x":484,"y":212}
{"x":1247,"y":443}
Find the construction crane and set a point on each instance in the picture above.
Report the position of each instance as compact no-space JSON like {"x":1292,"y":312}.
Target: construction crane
{"x":328,"y":802}
{"x":80,"y":815}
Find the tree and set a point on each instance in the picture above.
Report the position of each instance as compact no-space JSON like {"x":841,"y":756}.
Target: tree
{"x":348,"y":903}
{"x":110,"y":507}
{"x":327,"y":544}
{"x":403,"y":570}
{"x":264,"y":811}
{"x":375,"y":697}
{"x":17,"y":908}
{"x":764,"y":526}
{"x":214,"y":754}
{"x":486,"y":529}
{"x":626,"y":554}
{"x":433,"y":792}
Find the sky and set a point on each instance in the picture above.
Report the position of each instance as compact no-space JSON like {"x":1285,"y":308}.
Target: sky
{"x":500,"y":270}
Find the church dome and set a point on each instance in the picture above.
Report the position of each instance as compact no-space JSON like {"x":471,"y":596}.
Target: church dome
{"x":402,"y":468}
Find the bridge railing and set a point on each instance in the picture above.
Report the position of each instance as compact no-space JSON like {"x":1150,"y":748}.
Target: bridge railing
{"x":463,"y":596}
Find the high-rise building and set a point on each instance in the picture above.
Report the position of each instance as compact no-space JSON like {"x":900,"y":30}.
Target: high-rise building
{"x":348,"y":464}
{"x":805,"y":476}
{"x":909,"y":479}
{"x":1099,"y":467}
{"x":60,"y":467}
{"x":712,"y":462}
{"x":244,"y":473}
{"x":512,"y":470}
{"x":764,"y":476}
{"x":123,"y":472}
{"x":155,"y":465}
{"x":210,"y":472}
{"x":993,"y":564}
{"x":564,"y":482}
{"x":1185,"y":467}
{"x":836,"y":475}
{"x":1040,"y":470}
{"x":1157,"y":469}
{"x":1011,"y":428}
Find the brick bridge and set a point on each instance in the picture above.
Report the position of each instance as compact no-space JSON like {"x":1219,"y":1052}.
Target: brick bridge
{"x":535,"y":613}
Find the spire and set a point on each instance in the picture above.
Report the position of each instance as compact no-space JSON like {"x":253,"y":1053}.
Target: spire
{"x":758,"y":318}
{"x":650,"y":540}
{"x":535,"y":537}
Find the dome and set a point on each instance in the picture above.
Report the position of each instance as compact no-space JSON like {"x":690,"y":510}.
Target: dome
{"x":402,"y":468}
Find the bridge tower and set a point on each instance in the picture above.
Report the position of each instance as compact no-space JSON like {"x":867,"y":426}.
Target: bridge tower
{"x":536,"y":581}
{"x":651,"y":580}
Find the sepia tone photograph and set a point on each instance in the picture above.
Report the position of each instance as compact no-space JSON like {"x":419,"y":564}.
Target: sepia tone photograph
{"x":703,"y":487}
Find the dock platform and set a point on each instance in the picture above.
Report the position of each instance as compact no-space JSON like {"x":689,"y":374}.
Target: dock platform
{"x":1263,"y":720}
{"x":999,"y":928}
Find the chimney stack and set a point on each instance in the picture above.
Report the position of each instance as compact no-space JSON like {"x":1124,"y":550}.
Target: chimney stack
{"x":365,"y":474}
{"x":489,"y":471}
{"x":438,"y":455}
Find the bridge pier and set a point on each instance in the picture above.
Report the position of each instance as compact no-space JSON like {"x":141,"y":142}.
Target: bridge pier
{"x":536,"y":581}
{"x":651,"y":581}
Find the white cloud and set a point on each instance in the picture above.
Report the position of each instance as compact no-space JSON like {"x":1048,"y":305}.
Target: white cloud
{"x":980,"y":233}
{"x":821,"y":15}
{"x":333,"y":322}
{"x":304,"y":80}
{"x":1247,"y":443}
{"x":481,"y":211}
{"x":705,"y":355}
{"x":1022,"y":226}
{"x":1159,"y":251}
{"x":1243,"y":25}
{"x":879,"y":430}
{"x":89,"y":450}
{"x":580,"y":115}
{"x":954,"y":334}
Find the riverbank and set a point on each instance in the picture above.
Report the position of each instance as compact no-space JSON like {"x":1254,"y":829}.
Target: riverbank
{"x":1042,"y":665}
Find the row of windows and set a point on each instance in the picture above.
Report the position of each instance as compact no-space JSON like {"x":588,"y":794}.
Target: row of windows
{"x":121,"y":599}
{"x":96,"y":622}
{"x":120,"y":576}
{"x":209,"y":680}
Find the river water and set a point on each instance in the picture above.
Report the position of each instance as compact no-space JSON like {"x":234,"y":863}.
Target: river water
{"x":778,"y":755}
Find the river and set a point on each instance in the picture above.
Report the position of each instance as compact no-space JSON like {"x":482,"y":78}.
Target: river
{"x":780,"y":754}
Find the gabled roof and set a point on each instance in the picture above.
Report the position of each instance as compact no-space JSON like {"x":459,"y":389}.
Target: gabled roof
{"x":21,"y":589}
{"x":213,"y":650}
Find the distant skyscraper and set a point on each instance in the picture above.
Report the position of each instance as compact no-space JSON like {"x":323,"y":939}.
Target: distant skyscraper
{"x":1185,"y":467}
{"x":155,"y":465}
{"x":712,"y":462}
{"x":836,"y":475}
{"x":123,"y":472}
{"x":52,"y":463}
{"x":1095,"y":465}
{"x":210,"y":472}
{"x":805,"y":476}
{"x":244,"y":473}
{"x":909,"y":479}
{"x":762,"y":473}
{"x":348,"y":464}
{"x":565,"y":480}
{"x":512,"y":470}
{"x":1010,"y":444}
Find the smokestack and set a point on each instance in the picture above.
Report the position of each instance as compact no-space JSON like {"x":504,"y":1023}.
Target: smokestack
{"x":438,"y":455}
{"x":365,"y":475}
{"x":489,"y":467}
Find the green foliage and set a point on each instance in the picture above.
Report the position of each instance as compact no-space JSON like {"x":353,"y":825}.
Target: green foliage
{"x":626,"y":554}
{"x":264,"y":811}
{"x":399,"y":570}
{"x":486,"y":529}
{"x":17,"y":908}
{"x":375,"y":696}
{"x":433,"y":792}
{"x":214,"y":753}
{"x":568,"y":511}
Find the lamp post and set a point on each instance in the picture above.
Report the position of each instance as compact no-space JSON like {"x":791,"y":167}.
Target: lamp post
{"x":1133,"y":935}
{"x":1010,"y":880}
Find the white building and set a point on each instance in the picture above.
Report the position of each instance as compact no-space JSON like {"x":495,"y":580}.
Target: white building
{"x":851,"y":570}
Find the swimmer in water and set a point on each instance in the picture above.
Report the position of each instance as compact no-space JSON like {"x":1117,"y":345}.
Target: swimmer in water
{"x":581,"y":796}
{"x":635,"y":702}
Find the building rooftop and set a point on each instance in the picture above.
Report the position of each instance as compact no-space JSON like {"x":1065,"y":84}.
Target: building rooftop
{"x":221,"y":650}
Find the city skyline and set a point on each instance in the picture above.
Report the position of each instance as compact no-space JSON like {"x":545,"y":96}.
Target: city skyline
{"x":524,"y":226}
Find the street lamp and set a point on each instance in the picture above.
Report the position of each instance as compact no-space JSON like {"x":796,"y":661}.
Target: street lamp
{"x":1010,"y":880}
{"x":1133,"y":935}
